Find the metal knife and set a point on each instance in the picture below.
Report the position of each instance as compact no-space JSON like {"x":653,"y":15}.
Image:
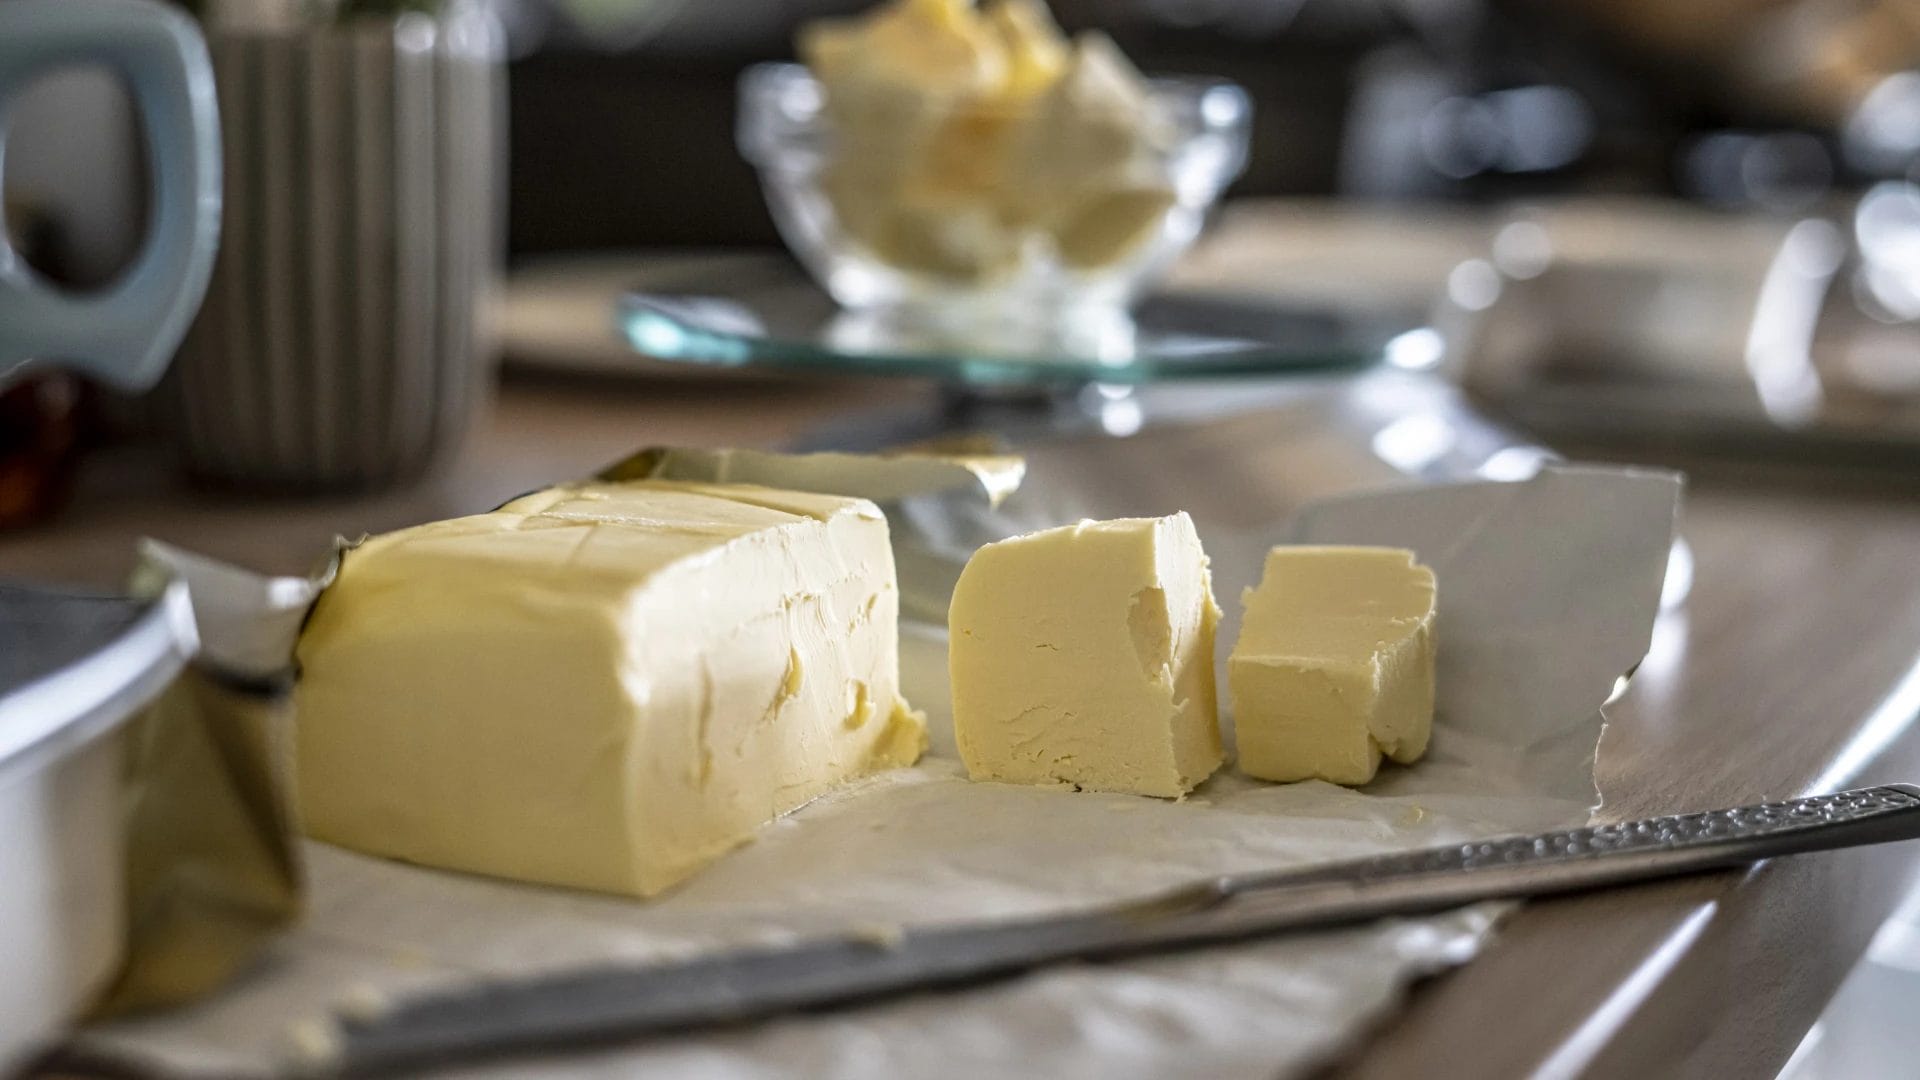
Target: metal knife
{"x":622,"y":1002}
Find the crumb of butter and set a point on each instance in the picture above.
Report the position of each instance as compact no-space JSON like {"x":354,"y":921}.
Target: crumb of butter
{"x":880,"y":935}
{"x":315,"y":1042}
{"x":410,"y":956}
{"x":364,"y":1002}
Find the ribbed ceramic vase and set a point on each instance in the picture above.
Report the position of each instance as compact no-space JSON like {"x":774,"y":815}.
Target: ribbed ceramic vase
{"x":341,"y":345}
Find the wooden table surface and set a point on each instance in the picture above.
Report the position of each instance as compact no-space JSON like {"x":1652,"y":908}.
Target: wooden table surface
{"x":1794,"y":665}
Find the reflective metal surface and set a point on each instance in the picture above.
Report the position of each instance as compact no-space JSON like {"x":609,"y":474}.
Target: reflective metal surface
{"x":73,"y":669}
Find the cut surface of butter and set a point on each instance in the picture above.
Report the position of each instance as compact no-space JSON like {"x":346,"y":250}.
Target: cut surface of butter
{"x":1083,"y":655}
{"x":603,"y":686}
{"x":1334,"y":666}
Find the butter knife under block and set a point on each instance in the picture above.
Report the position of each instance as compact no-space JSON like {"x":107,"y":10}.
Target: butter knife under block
{"x":614,"y":1003}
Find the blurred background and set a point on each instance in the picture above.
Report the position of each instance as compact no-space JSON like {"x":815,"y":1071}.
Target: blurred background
{"x":1767,"y":105}
{"x":1514,"y":173}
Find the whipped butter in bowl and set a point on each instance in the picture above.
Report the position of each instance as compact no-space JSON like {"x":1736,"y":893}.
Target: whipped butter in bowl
{"x":975,"y":166}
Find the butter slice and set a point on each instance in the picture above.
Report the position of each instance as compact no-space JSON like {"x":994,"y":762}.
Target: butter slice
{"x":1334,"y":666}
{"x":1083,"y":655}
{"x":603,"y":686}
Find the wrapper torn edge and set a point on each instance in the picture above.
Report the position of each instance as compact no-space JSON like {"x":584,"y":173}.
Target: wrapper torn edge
{"x":884,"y":478}
{"x":212,"y":860}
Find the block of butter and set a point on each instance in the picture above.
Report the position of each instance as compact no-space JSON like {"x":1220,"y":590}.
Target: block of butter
{"x":603,"y":686}
{"x":1334,"y":665}
{"x":1083,"y":655}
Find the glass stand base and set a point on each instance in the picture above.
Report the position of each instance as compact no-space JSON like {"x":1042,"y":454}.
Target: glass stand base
{"x":1021,"y":415}
{"x":752,"y":314}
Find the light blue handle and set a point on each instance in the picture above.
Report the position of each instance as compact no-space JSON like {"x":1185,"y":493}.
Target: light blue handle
{"x":126,"y":334}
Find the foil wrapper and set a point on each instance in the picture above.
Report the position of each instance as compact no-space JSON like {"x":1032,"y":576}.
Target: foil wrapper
{"x":213,"y":866}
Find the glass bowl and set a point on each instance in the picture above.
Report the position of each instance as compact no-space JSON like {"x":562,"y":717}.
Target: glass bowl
{"x":989,"y":224}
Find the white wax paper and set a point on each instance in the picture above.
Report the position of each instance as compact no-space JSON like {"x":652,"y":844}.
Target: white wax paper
{"x":1548,"y":591}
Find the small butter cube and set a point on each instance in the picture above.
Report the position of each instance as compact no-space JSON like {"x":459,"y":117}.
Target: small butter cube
{"x":1334,"y":665}
{"x":1083,"y":655}
{"x":603,"y":686}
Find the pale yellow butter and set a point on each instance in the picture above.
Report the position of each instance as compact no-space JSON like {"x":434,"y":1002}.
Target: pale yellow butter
{"x":1083,"y":655}
{"x":931,"y":48}
{"x":1334,"y":666}
{"x":1036,"y":51}
{"x":603,"y":686}
{"x":1093,"y":132}
{"x":972,"y":140}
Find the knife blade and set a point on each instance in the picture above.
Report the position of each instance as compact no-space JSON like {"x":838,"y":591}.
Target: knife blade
{"x":618,"y":1002}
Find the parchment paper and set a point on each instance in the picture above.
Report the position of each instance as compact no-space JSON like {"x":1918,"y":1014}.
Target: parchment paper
{"x":1548,"y":592}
